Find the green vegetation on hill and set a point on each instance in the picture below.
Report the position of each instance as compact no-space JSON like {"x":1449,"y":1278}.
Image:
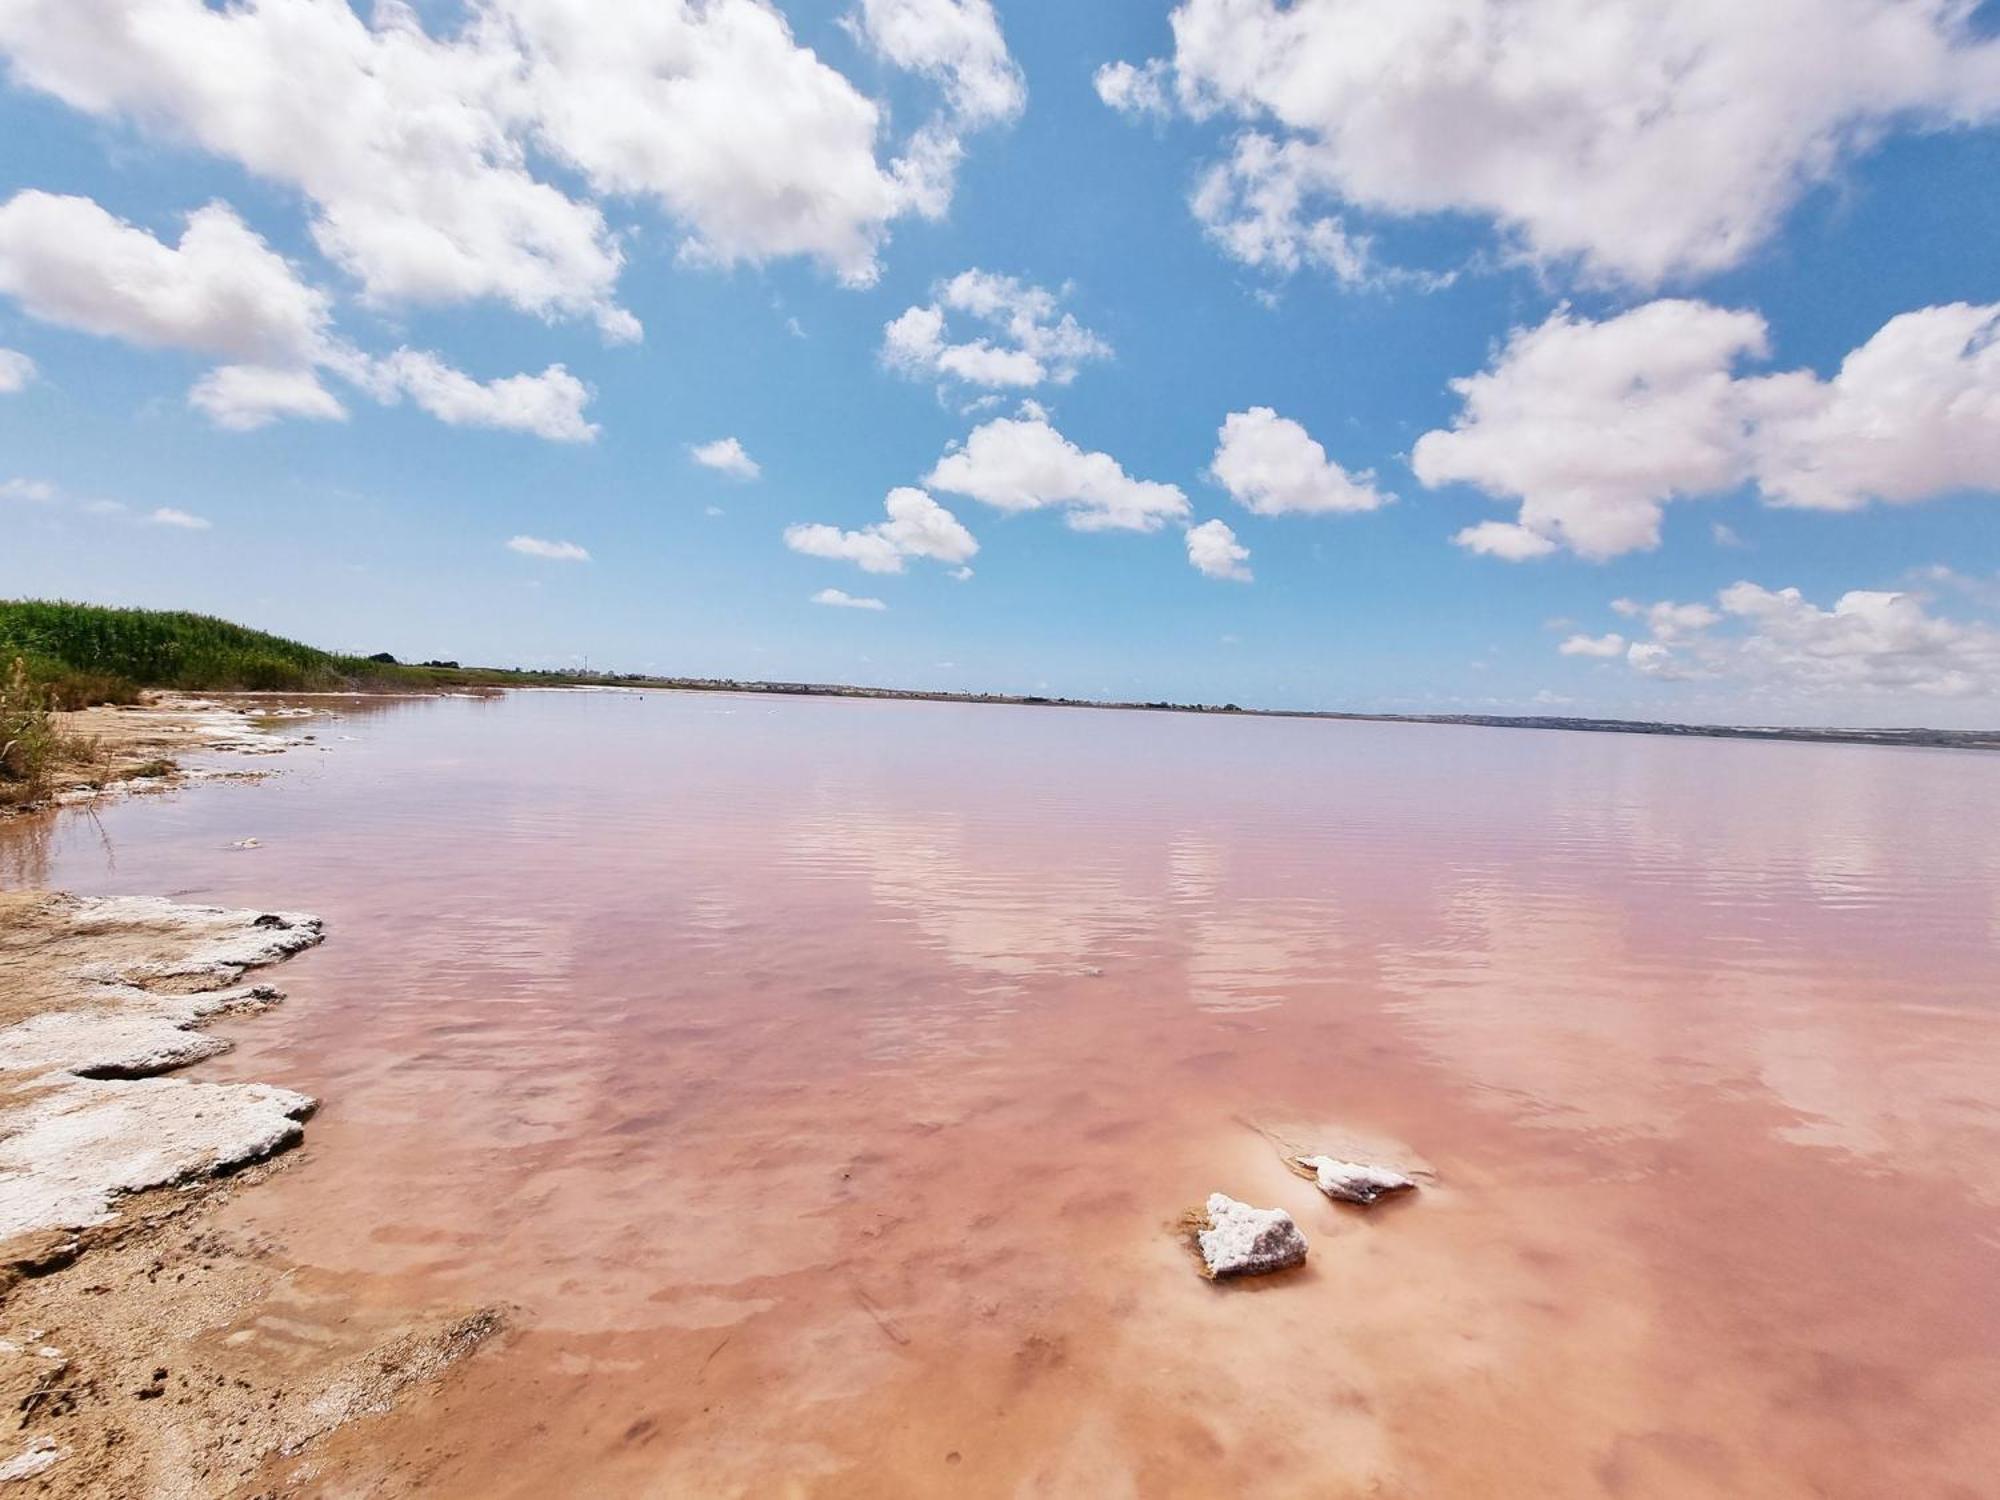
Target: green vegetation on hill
{"x":87,"y":653}
{"x":79,"y":654}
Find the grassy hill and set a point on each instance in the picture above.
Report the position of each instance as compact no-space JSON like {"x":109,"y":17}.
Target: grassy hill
{"x":86,"y":653}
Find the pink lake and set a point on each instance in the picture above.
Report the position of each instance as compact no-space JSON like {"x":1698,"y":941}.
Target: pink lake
{"x":821,"y":1081}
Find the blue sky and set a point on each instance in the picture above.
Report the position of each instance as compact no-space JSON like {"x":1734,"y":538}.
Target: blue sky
{"x":1659,"y":438}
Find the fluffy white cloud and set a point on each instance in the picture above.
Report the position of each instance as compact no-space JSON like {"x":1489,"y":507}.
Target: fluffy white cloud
{"x":726,"y":455}
{"x":1669,"y":622}
{"x":1022,"y":463}
{"x":418,"y":151}
{"x":1869,"y":644}
{"x":957,"y":42}
{"x":1595,"y":426}
{"x":1031,"y":341}
{"x":409,"y":147}
{"x":1255,"y":206}
{"x":917,"y":526}
{"x":868,"y":549}
{"x":715,"y":112}
{"x":840,"y":599}
{"x":221,"y":290}
{"x":1272,"y":466}
{"x":29,"y":491}
{"x":242,"y":398}
{"x":534,"y":546}
{"x":1135,"y":90}
{"x":1600,"y":645}
{"x":1504,"y":540}
{"x":1913,"y":413}
{"x":1214,"y":551}
{"x":180,"y":520}
{"x":1641,"y":141}
{"x":549,"y":405}
{"x":1876,"y":641}
{"x":16,"y":371}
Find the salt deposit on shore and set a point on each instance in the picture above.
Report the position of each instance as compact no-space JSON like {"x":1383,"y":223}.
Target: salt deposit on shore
{"x":106,"y":1161}
{"x":110,"y":994}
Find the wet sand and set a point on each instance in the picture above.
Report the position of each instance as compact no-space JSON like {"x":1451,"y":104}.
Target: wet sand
{"x":822,"y":1081}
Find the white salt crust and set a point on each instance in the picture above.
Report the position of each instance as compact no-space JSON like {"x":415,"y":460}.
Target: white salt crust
{"x":1245,"y":1241}
{"x":97,"y":1125}
{"x":1353,"y":1181}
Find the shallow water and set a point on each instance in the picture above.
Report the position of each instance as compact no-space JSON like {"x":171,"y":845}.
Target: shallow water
{"x":822,"y":1079}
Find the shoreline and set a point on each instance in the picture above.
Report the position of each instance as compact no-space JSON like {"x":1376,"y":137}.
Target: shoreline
{"x":1905,"y":737}
{"x":135,"y":748}
{"x":136,"y":1339}
{"x":1925,"y":739}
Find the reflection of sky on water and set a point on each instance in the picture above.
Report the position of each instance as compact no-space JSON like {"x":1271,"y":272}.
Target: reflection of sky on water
{"x":675,"y":1013}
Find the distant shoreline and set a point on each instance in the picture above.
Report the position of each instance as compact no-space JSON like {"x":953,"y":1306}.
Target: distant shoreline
{"x":79,"y":655}
{"x":1934,"y":739}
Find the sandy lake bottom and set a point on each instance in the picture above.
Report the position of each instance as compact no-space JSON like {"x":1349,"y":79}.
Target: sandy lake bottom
{"x":821,"y":1082}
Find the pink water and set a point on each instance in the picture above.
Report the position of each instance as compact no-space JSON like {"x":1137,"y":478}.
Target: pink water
{"x":821,"y":1080}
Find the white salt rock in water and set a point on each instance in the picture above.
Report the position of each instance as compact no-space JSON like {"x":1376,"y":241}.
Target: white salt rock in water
{"x":1245,"y":1241}
{"x":1353,"y":1181}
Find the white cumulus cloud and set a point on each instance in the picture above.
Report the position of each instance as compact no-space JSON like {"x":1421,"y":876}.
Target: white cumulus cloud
{"x":242,"y":398}
{"x":727,"y":456}
{"x":1214,"y":551}
{"x":1023,"y":463}
{"x":957,"y":42}
{"x":1912,"y":413}
{"x":1869,"y":644}
{"x":1142,"y":90}
{"x":1639,"y":141}
{"x":1504,"y":540}
{"x":917,"y":526}
{"x":1257,"y":206}
{"x":840,"y":599}
{"x":220,"y":290}
{"x":534,"y":546}
{"x":16,"y":371}
{"x":1029,"y":339}
{"x":1593,"y":427}
{"x":418,"y":150}
{"x":549,"y":405}
{"x":223,"y":291}
{"x":1598,"y":645}
{"x":1273,"y":467}
{"x":180,"y":520}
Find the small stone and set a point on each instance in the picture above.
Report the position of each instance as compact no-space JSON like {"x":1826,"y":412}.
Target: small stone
{"x":1245,"y":1241}
{"x":1353,"y":1181}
